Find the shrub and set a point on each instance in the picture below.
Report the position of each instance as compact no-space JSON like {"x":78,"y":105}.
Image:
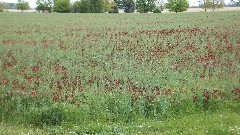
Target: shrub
{"x":157,"y":11}
{"x":113,"y":11}
{"x":52,"y":115}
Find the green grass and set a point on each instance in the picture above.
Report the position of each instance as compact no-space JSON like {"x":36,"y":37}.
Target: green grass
{"x":120,"y":73}
{"x":221,"y":123}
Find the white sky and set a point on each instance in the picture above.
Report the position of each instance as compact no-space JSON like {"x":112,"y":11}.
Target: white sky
{"x":32,"y":3}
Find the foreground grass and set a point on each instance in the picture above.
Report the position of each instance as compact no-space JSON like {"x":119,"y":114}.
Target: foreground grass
{"x":221,"y":123}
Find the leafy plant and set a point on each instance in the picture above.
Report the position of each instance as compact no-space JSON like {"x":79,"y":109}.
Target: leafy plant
{"x":177,"y":5}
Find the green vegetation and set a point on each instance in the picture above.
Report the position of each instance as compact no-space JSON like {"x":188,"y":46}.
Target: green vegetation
{"x":177,"y":5}
{"x":214,"y":123}
{"x":44,"y":5}
{"x":2,"y":6}
{"x":127,"y":5}
{"x":145,"y":6}
{"x":22,"y":5}
{"x":212,"y":4}
{"x":121,"y":74}
{"x":61,"y":6}
{"x":156,"y":10}
{"x":93,"y":6}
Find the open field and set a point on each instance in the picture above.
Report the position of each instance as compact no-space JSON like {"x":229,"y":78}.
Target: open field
{"x":120,"y":73}
{"x":209,"y":10}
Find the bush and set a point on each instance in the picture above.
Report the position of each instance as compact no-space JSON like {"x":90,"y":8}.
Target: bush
{"x":157,"y":11}
{"x":53,"y":115}
{"x":113,"y":11}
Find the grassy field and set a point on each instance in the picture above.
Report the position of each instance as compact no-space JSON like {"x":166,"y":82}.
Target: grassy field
{"x":120,"y":73}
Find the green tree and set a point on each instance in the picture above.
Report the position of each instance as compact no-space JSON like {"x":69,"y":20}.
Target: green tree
{"x":94,"y":6}
{"x":177,"y":5}
{"x":61,"y":6}
{"x":84,"y":6}
{"x":127,"y":5}
{"x":22,"y":5}
{"x":44,"y":5}
{"x":106,"y":5}
{"x":118,"y":4}
{"x":114,"y":7}
{"x":76,"y":6}
{"x":144,"y":6}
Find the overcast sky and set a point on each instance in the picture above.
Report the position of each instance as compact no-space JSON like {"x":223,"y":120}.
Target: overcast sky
{"x":32,"y":3}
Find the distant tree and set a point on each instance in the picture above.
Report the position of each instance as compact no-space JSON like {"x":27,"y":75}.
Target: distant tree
{"x":22,"y":5}
{"x":84,"y":6}
{"x":40,"y":7}
{"x":106,"y":5}
{"x":94,"y":6}
{"x":219,"y":4}
{"x":2,"y":6}
{"x":237,"y":3}
{"x":118,"y":4}
{"x":213,"y":4}
{"x":127,"y":5}
{"x":114,"y":7}
{"x":44,"y":5}
{"x":234,"y":3}
{"x":177,"y":5}
{"x":76,"y":6}
{"x":11,"y":5}
{"x":144,"y":6}
{"x":207,"y":4}
{"x":61,"y":6}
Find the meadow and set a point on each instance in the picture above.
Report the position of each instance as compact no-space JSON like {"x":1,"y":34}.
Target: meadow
{"x":120,"y":73}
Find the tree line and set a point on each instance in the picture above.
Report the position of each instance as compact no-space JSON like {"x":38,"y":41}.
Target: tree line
{"x":113,"y":6}
{"x":110,"y":6}
{"x":98,"y":6}
{"x":128,"y":6}
{"x":20,"y":5}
